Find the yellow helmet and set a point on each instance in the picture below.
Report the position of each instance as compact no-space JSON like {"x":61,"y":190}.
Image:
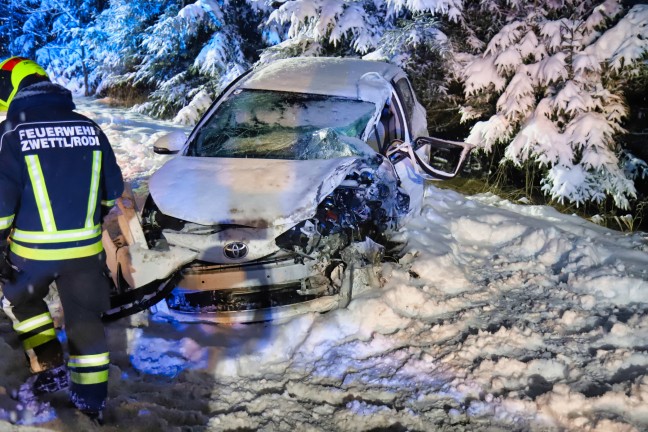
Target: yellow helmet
{"x":12,"y":73}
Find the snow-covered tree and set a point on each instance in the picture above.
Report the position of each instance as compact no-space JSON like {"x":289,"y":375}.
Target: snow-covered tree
{"x":386,"y":29}
{"x":115,"y":39}
{"x":558,"y":74}
{"x":28,"y":26}
{"x":7,"y":24}
{"x":52,"y":33}
{"x":66,"y":55}
{"x":188,"y":51}
{"x":183,"y":53}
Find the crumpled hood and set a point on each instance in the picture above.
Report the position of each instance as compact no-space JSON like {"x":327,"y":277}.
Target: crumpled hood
{"x":253,"y":192}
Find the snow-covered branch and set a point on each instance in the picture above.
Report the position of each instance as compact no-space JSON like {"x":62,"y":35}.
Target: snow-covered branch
{"x":559,"y":102}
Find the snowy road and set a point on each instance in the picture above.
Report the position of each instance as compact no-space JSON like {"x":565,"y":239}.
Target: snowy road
{"x":500,"y":317}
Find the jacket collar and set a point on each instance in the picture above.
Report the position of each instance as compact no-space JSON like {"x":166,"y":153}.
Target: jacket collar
{"x":41,"y":95}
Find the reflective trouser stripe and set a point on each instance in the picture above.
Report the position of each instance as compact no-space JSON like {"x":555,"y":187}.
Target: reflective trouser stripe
{"x":39,"y":339}
{"x":33,"y":323}
{"x":89,"y":369}
{"x":89,"y":377}
{"x":89,"y":360}
{"x":108,"y":203}
{"x":94,"y":188}
{"x":47,"y":333}
{"x":56,"y":254}
{"x":5,"y":222}
{"x":40,"y":192}
{"x":58,"y":236}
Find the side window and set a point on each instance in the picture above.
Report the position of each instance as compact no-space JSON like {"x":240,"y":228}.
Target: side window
{"x":391,"y":124}
{"x":396,"y":121}
{"x":404,"y":91}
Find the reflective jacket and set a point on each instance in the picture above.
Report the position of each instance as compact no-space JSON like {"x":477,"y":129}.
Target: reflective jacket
{"x":57,"y":168}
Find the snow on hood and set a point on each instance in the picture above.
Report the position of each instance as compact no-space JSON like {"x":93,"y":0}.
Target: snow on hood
{"x":252,"y":192}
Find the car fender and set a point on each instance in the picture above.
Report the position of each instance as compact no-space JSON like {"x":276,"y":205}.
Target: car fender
{"x":128,"y":257}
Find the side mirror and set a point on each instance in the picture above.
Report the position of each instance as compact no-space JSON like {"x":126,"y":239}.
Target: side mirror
{"x":447,"y":158}
{"x":170,"y":143}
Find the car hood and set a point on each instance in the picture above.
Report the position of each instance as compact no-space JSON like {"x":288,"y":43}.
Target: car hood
{"x":252,"y":192}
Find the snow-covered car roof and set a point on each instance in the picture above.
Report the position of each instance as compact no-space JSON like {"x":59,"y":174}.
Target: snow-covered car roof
{"x":318,"y":75}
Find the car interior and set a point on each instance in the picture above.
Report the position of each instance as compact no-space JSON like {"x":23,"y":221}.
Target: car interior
{"x":387,"y":129}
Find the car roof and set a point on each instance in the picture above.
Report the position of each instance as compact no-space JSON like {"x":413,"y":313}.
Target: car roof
{"x":317,"y":75}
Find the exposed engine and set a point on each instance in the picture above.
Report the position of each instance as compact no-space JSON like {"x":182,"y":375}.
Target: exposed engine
{"x":364,"y":205}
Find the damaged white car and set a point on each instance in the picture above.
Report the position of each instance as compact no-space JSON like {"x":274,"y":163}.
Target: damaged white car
{"x":284,"y":196}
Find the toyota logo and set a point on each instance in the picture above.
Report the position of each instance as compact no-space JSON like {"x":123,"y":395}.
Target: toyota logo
{"x":235,"y":250}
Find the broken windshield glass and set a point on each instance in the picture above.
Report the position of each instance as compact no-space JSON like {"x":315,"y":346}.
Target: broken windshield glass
{"x":278,"y":125}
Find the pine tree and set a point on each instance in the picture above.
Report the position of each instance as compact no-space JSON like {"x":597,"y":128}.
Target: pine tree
{"x":28,"y":26}
{"x":115,"y":38}
{"x":51,"y":32}
{"x":387,"y":30}
{"x":558,"y":75}
{"x":6,"y":27}
{"x":187,"y":54}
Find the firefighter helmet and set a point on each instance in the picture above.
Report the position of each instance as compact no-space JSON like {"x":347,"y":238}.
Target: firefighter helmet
{"x":13,"y":72}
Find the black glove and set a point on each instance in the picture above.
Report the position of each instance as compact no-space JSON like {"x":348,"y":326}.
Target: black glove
{"x":6,"y":269}
{"x":104,"y":212}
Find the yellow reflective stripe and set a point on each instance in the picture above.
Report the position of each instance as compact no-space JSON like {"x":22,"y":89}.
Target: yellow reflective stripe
{"x":32,"y":323}
{"x":58,"y":236}
{"x":94,"y":188}
{"x":89,"y":377}
{"x":89,"y":360}
{"x":5,"y":222}
{"x":108,"y":203}
{"x":56,"y":254}
{"x":40,"y":193}
{"x":39,"y":339}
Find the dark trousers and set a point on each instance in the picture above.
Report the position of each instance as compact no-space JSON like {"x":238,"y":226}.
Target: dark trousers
{"x":83,"y":289}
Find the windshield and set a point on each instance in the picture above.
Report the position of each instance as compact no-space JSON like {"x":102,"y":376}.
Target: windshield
{"x":278,"y":125}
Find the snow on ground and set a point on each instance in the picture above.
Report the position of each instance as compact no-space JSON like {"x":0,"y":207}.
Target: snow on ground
{"x":499,"y":317}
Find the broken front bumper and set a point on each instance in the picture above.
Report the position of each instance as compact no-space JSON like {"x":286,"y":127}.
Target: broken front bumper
{"x":175,"y":284}
{"x":270,"y":290}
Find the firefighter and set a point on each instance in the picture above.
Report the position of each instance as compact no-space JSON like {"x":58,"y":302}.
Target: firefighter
{"x":58,"y":178}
